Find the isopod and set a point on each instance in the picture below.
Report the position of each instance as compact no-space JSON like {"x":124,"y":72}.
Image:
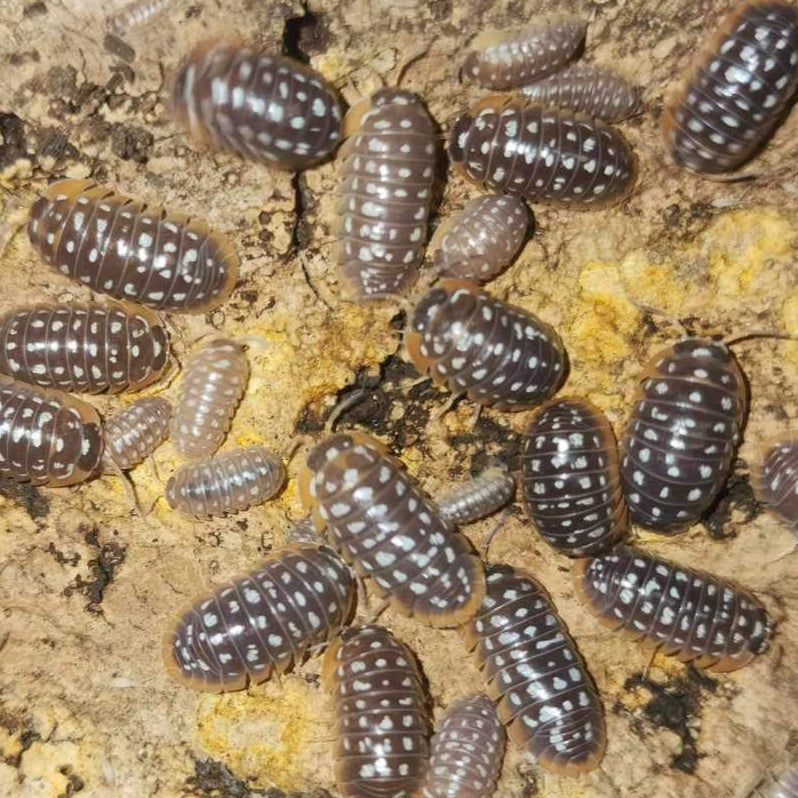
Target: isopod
{"x":84,"y":348}
{"x":212,"y":387}
{"x":263,"y":622}
{"x":571,"y":485}
{"x":776,"y":480}
{"x":782,"y":786}
{"x":264,"y":107}
{"x":702,"y":619}
{"x":47,"y":437}
{"x":131,"y":251}
{"x":135,"y":14}
{"x":382,"y":714}
{"x":736,"y":90}
{"x":384,"y":525}
{"x":478,"y":243}
{"x":136,"y":431}
{"x":533,"y":669}
{"x":512,"y":146}
{"x":497,"y":354}
{"x":477,"y":498}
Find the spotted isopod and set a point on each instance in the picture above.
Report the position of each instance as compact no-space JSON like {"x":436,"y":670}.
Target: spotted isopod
{"x":133,"y":15}
{"x":571,"y":485}
{"x":263,"y":622}
{"x":480,"y":241}
{"x":466,"y":751}
{"x":136,"y":431}
{"x":84,"y":348}
{"x":736,"y":90}
{"x":131,"y":251}
{"x":47,"y":437}
{"x":385,"y":526}
{"x":702,"y":619}
{"x":264,"y":107}
{"x":776,"y":480}
{"x":212,"y":386}
{"x":533,"y":669}
{"x":497,"y":354}
{"x":477,"y":498}
{"x":505,"y":59}
{"x":784,"y":785}
{"x":512,"y":146}
{"x":382,"y":714}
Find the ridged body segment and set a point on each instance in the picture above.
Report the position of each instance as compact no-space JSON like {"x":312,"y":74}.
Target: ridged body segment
{"x":784,"y":785}
{"x":478,"y":498}
{"x":135,"y":14}
{"x":776,"y":480}
{"x":136,"y":431}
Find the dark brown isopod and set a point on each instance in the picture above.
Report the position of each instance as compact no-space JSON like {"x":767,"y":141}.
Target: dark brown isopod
{"x":512,"y":146}
{"x":47,"y":437}
{"x":776,"y":480}
{"x":533,"y":669}
{"x":702,"y":619}
{"x":497,"y":354}
{"x":131,"y":251}
{"x":478,"y":498}
{"x":682,"y":435}
{"x":263,"y":622}
{"x":736,"y":90}
{"x":382,"y":714}
{"x":264,"y":107}
{"x":84,"y":348}
{"x":136,"y":431}
{"x":571,"y":485}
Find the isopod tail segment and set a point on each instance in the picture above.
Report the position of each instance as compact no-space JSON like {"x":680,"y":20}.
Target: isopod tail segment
{"x":774,"y":477}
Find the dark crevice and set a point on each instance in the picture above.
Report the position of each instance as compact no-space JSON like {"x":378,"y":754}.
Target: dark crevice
{"x":292,"y":34}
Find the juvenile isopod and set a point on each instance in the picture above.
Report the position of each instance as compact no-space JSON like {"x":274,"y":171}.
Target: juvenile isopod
{"x":264,"y":107}
{"x":136,"y":431}
{"x":776,"y":480}
{"x":477,"y":498}
{"x":83,"y":348}
{"x":131,"y":251}
{"x":702,"y":619}
{"x":133,"y":15}
{"x":784,"y":785}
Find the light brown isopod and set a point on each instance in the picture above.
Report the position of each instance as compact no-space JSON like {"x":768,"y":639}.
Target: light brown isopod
{"x":136,"y":431}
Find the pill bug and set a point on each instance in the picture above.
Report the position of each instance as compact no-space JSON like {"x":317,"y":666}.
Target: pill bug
{"x":736,"y":90}
{"x":477,"y":498}
{"x":267,"y":108}
{"x":512,"y":146}
{"x":261,"y":623}
{"x":134,"y":15}
{"x":504,"y":59}
{"x":384,"y":525}
{"x":385,"y":194}
{"x":480,"y":241}
{"x":680,"y":441}
{"x":782,"y":786}
{"x":228,"y":483}
{"x":776,"y":480}
{"x":702,"y":619}
{"x":497,"y":354}
{"x":535,"y":673}
{"x":136,"y":431}
{"x":466,"y":751}
{"x":47,"y":437}
{"x":571,"y":485}
{"x":382,"y":714}
{"x":213,"y":384}
{"x":131,"y":251}
{"x":591,"y":90}
{"x":84,"y":348}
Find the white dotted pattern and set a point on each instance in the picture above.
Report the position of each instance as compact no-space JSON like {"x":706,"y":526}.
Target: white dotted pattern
{"x":136,"y":431}
{"x":777,"y":481}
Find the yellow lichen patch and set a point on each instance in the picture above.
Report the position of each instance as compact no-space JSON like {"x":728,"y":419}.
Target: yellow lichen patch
{"x":653,"y":284}
{"x":57,"y":768}
{"x":789,"y":313}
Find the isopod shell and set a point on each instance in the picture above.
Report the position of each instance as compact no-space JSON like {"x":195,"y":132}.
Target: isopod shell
{"x":591,"y":90}
{"x":571,"y":484}
{"x":131,"y":251}
{"x":480,"y":241}
{"x":505,"y":59}
{"x":385,"y":195}
{"x":384,"y":525}
{"x":136,"y":431}
{"x":466,"y":751}
{"x":512,"y":146}
{"x":47,"y":437}
{"x":776,"y":480}
{"x":497,"y":354}
{"x":382,"y":714}
{"x":698,"y":617}
{"x":478,"y":498}
{"x":680,"y":441}
{"x":261,"y":623}
{"x":736,"y":90}
{"x":545,"y":696}
{"x":212,"y":386}
{"x":83,"y":348}
{"x":267,"y":108}
{"x":784,"y":785}
{"x":232,"y":481}
{"x":135,"y":14}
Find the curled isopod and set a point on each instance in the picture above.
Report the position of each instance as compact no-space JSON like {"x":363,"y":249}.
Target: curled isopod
{"x":776,"y":480}
{"x":504,"y":59}
{"x":477,"y":498}
{"x":136,"y":431}
{"x":212,"y":387}
{"x":264,"y":107}
{"x":480,"y":241}
{"x":84,"y":348}
{"x":131,"y":251}
{"x":784,"y":785}
{"x":263,"y":622}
